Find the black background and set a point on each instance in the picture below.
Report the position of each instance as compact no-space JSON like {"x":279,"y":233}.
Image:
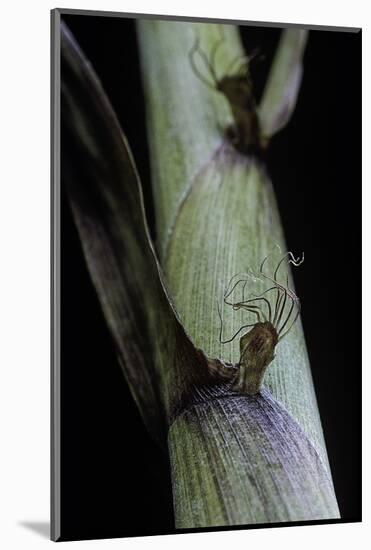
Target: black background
{"x":115,"y":481}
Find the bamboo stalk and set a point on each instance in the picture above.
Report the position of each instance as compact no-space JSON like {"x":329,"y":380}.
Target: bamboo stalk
{"x":217,"y":216}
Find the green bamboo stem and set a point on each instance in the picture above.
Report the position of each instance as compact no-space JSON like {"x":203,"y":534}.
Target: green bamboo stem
{"x":217,"y":216}
{"x":282,"y":88}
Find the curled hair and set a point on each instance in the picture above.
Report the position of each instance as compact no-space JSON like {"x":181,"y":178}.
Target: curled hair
{"x":239,"y":66}
{"x":278,"y":304}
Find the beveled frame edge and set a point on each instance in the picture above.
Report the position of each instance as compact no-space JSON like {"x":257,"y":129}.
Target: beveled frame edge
{"x":67,"y":11}
{"x":55,"y":428}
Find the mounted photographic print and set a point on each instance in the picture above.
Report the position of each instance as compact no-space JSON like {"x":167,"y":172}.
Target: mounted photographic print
{"x":206,"y":275}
